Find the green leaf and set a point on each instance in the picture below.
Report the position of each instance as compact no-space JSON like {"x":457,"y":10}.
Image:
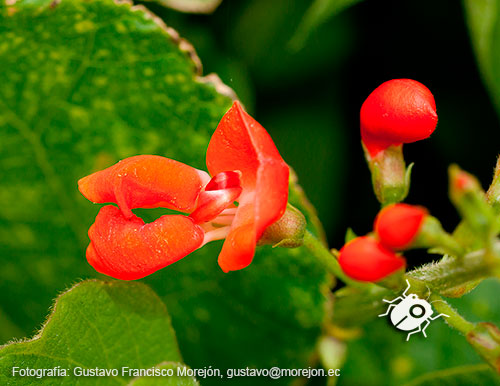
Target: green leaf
{"x":191,"y":6}
{"x":95,"y":324}
{"x":483,"y":18}
{"x":101,"y":81}
{"x":318,"y":13}
{"x":84,"y":84}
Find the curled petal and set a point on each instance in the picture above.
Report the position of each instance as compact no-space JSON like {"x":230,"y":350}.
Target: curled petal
{"x":129,"y":249}
{"x":221,"y":192}
{"x":241,"y":143}
{"x":145,"y":181}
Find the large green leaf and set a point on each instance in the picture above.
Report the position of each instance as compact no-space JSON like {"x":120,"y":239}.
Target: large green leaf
{"x":483,"y":17}
{"x":105,"y":325}
{"x":85,"y":83}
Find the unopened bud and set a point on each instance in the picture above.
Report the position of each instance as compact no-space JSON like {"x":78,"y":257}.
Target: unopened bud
{"x":287,"y":232}
{"x":398,"y":225}
{"x":470,"y":200}
{"x":366,"y":259}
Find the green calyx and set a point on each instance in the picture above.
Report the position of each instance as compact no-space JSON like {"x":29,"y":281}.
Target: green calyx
{"x":390,"y":176}
{"x":288,"y":231}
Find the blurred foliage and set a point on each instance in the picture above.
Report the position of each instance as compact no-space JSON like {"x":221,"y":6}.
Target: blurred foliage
{"x":318,"y":13}
{"x":383,"y":357}
{"x":484,"y":25}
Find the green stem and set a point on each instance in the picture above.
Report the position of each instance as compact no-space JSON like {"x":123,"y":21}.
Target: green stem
{"x":328,"y":260}
{"x":454,"y":319}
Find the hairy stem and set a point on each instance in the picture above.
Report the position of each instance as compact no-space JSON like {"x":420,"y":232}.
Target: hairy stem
{"x":450,"y":272}
{"x":454,"y":319}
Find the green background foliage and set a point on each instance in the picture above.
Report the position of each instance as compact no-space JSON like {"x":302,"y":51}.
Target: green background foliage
{"x":86,"y":83}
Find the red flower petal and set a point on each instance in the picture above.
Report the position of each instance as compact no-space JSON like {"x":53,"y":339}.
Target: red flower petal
{"x":398,"y":111}
{"x":398,"y":225}
{"x":129,"y":249}
{"x":145,"y":181}
{"x":366,"y":259}
{"x":241,"y":143}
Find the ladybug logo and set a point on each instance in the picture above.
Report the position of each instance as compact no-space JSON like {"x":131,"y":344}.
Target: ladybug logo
{"x":411,"y":313}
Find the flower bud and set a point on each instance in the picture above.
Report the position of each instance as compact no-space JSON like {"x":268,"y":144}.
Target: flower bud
{"x":469,"y":198}
{"x":398,"y":111}
{"x":366,"y":259}
{"x":398,"y":225}
{"x":287,"y":232}
{"x":403,"y":226}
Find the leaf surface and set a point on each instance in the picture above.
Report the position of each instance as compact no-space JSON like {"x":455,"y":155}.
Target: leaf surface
{"x":95,"y":324}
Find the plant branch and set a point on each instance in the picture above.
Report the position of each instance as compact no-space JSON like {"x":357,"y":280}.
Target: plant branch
{"x":328,"y":260}
{"x":454,"y":319}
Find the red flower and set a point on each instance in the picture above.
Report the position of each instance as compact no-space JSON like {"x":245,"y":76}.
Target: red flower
{"x":398,"y":111}
{"x":365,"y":259}
{"x":398,"y":225}
{"x":247,"y":168}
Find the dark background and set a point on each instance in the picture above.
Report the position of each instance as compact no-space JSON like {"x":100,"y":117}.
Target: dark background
{"x":309,"y":99}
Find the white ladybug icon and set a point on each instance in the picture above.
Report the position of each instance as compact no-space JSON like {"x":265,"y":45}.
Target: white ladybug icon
{"x":411,"y":313}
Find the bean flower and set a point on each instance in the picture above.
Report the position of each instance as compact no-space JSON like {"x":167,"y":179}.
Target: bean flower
{"x":247,"y":193}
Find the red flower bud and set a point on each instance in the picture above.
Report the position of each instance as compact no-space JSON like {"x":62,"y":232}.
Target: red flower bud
{"x":365,"y":259}
{"x":398,"y":225}
{"x":398,"y":111}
